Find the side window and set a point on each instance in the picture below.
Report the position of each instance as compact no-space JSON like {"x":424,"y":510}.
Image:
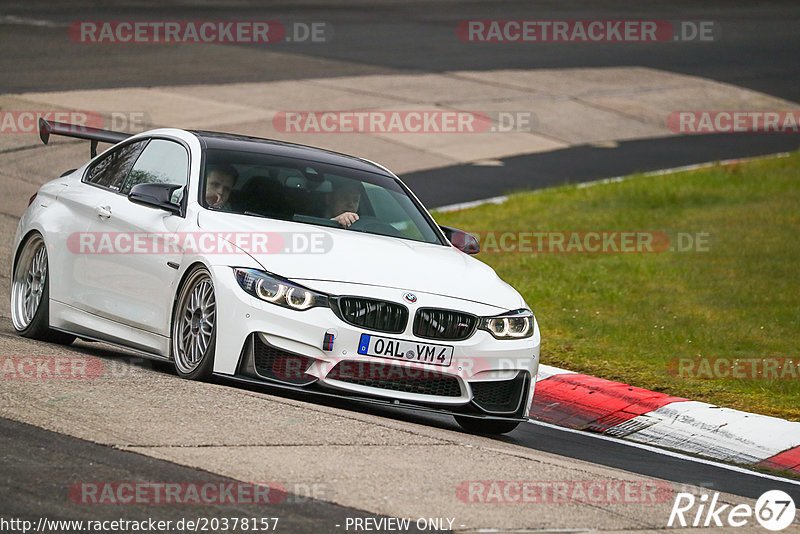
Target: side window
{"x":162,"y":162}
{"x":112,"y":170}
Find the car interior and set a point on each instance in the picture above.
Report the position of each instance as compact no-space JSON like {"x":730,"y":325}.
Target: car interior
{"x":305,"y":193}
{"x":288,"y":193}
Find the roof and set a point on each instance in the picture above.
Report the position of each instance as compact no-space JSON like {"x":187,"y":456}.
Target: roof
{"x":244,"y":143}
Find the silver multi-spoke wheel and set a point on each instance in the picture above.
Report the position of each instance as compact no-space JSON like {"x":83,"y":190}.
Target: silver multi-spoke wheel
{"x":193,"y":325}
{"x":28,"y":285}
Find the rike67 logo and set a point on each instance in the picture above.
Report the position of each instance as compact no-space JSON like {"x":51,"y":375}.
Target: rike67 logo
{"x":774,"y":510}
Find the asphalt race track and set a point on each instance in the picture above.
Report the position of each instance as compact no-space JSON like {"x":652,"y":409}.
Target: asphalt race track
{"x":341,"y":460}
{"x":756,"y":49}
{"x":466,"y":183}
{"x":54,"y":458}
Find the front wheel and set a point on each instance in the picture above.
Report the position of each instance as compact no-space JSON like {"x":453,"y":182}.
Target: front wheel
{"x":486,"y":426}
{"x":30,"y":294}
{"x":194,"y":333}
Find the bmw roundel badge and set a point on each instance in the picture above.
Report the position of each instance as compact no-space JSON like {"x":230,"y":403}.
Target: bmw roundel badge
{"x":410,"y":297}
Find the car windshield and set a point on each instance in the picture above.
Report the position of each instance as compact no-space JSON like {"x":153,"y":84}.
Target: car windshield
{"x":275,"y":187}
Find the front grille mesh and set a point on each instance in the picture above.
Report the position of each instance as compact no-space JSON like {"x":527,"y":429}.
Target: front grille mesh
{"x":373,"y":314}
{"x":432,"y":323}
{"x":499,"y":396}
{"x":277,"y":364}
{"x":396,"y":378}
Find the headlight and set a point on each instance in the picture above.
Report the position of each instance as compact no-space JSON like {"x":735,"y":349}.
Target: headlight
{"x":272,"y":289}
{"x":512,"y":325}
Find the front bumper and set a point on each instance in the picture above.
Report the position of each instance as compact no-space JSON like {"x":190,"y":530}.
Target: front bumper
{"x":261,"y":342}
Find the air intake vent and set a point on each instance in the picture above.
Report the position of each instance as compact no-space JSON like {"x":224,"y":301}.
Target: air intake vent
{"x":500,"y":396}
{"x":432,"y":323}
{"x":276,"y":364}
{"x":396,"y":378}
{"x":377,"y":315}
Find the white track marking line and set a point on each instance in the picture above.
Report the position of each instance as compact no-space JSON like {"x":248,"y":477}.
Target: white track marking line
{"x":666,"y":452}
{"x":22,"y":21}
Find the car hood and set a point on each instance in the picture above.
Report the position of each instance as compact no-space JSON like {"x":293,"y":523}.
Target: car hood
{"x":359,"y":258}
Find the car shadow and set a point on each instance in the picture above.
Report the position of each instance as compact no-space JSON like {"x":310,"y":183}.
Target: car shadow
{"x":125,"y":357}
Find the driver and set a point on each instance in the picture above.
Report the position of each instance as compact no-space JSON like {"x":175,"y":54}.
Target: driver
{"x":220,"y":180}
{"x":343,"y":203}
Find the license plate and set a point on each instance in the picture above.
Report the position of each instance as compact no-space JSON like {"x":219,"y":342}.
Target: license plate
{"x":408,"y":351}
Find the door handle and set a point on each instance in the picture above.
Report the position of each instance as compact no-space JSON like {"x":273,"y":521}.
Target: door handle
{"x":103,"y":211}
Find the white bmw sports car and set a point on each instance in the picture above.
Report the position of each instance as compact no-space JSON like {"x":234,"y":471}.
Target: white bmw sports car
{"x":272,"y":263}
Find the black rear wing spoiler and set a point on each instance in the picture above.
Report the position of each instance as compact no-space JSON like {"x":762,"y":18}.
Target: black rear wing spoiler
{"x":95,"y":135}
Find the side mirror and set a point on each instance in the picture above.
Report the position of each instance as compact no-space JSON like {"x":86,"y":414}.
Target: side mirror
{"x":462,"y":240}
{"x":155,"y":195}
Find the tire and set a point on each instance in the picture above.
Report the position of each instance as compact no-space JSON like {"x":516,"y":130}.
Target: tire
{"x":194,"y":331}
{"x":486,"y":426}
{"x":30,"y":294}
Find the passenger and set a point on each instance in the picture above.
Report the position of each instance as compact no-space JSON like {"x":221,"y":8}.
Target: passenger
{"x":343,"y":203}
{"x":220,"y":180}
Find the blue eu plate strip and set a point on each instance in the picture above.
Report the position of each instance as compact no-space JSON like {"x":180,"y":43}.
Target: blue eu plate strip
{"x":363,"y":345}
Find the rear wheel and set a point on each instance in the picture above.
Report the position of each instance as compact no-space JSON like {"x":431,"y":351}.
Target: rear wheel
{"x":486,"y":426}
{"x":30,"y":294}
{"x":194,"y":333}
